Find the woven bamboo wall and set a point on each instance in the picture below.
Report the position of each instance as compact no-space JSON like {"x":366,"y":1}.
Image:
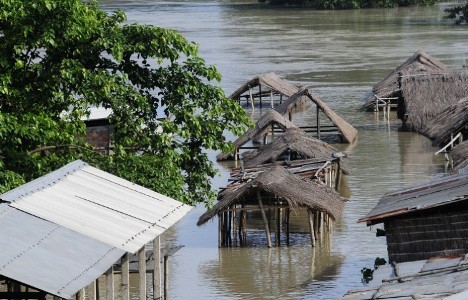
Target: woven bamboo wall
{"x":421,"y":235}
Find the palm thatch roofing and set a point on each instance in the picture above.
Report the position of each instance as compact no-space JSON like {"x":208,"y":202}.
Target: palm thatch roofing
{"x":297,"y":143}
{"x":459,"y":155}
{"x":268,"y":119}
{"x":348,"y":132}
{"x":450,"y":121}
{"x":420,"y":62}
{"x":295,"y":190}
{"x":270,"y":81}
{"x":427,"y":96}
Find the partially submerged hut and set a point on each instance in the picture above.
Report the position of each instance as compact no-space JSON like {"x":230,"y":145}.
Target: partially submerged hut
{"x":340,"y":127}
{"x":278,"y":190}
{"x":434,"y":278}
{"x":267,"y":88}
{"x":63,"y":230}
{"x":450,"y":126}
{"x":387,"y":92}
{"x":268,"y":122}
{"x":423,"y":221}
{"x":426,"y":96}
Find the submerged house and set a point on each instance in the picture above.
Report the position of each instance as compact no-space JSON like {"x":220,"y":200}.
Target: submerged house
{"x":426,"y":220}
{"x":426,"y":96}
{"x":279,"y":192}
{"x":387,"y":92}
{"x":64,"y":230}
{"x":266,"y":89}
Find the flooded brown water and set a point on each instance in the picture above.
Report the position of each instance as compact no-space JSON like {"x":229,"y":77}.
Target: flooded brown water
{"x":340,"y":55}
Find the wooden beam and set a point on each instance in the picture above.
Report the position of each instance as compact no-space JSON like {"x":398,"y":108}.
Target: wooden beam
{"x":265,"y":220}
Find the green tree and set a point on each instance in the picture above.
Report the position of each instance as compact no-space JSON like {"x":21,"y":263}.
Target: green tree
{"x":58,"y":58}
{"x":459,"y":13}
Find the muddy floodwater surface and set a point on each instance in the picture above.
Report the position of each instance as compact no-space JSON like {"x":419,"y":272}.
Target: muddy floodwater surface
{"x":339,"y":55}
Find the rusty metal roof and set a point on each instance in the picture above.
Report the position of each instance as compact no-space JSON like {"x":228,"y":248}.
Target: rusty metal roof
{"x":99,"y":205}
{"x":438,"y":192}
{"x":50,"y":257}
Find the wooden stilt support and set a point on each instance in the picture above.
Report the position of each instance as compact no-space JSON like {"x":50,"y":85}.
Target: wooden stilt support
{"x":92,"y":291}
{"x":316,"y":223}
{"x":80,"y":295}
{"x":251,"y":99}
{"x":220,"y":229}
{"x":142,"y":271}
{"x":311,"y":227}
{"x":265,"y":221}
{"x":110,"y":284}
{"x":260,"y":94}
{"x":234,"y":224}
{"x":278,"y":227}
{"x":271,"y":99}
{"x":157,"y":268}
{"x":125,"y":283}
{"x":287,"y":225}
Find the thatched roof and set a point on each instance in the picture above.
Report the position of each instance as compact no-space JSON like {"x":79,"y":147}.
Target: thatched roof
{"x":450,"y":121}
{"x":297,"y":142}
{"x":348,"y":132}
{"x":427,"y":96}
{"x":459,"y":156}
{"x":270,"y":81}
{"x":420,"y":62}
{"x":297,"y":191}
{"x":271,"y":117}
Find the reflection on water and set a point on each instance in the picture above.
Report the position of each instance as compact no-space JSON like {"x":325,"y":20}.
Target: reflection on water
{"x":339,"y":55}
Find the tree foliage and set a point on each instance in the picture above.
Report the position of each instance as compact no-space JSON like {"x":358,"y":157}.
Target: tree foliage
{"x":350,"y":4}
{"x":58,"y":58}
{"x":458,"y":13}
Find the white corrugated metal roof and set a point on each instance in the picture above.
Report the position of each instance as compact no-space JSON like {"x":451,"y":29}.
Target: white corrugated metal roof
{"x":98,"y":204}
{"x":48,"y":256}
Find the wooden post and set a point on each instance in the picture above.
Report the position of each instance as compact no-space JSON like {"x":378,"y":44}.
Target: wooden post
{"x":110,"y":284}
{"x":251,"y":98}
{"x":166,"y":277}
{"x":281,"y":98}
{"x":316,"y":233}
{"x":234,"y":224}
{"x":318,"y":123}
{"x":80,"y":295}
{"x":157,"y":268}
{"x":220,"y":230}
{"x":265,"y":221}
{"x":125,"y":283}
{"x":142,"y":271}
{"x":278,"y":226}
{"x":96,"y":290}
{"x":311,"y":227}
{"x":271,"y":99}
{"x":260,"y":93}
{"x":92,"y":291}
{"x":287,"y":225}
{"x":244,"y":225}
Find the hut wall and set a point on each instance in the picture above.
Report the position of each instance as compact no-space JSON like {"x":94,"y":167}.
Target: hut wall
{"x":429,"y":233}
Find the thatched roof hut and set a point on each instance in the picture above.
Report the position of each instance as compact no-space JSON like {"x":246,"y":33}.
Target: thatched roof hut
{"x":449,"y":122}
{"x":420,"y":62}
{"x":427,"y":96}
{"x":266,"y":121}
{"x":269,"y":81}
{"x":278,"y":182}
{"x":347,"y":131}
{"x":293,"y":144}
{"x":459,"y":156}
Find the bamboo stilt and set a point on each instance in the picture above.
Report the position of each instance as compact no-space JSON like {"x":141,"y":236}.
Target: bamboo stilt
{"x":311,"y":227}
{"x":265,"y":221}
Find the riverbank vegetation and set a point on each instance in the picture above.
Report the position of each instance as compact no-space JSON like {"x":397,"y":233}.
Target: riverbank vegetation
{"x":350,"y":4}
{"x":59,"y":58}
{"x":458,"y":13}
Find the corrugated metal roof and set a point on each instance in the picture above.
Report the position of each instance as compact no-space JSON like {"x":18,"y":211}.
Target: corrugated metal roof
{"x":48,"y":256}
{"x":436,"y":278}
{"x":445,"y":190}
{"x":98,"y":204}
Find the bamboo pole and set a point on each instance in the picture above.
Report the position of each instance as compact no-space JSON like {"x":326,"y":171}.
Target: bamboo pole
{"x":271,"y":99}
{"x":311,"y":227}
{"x":251,"y":98}
{"x":157,"y":268}
{"x":220,"y":237}
{"x":278,"y":227}
{"x":265,"y":221}
{"x":125,"y":281}
{"x":110,"y":284}
{"x":260,"y":94}
{"x":142,"y":271}
{"x":234,"y":224}
{"x":287,"y":225}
